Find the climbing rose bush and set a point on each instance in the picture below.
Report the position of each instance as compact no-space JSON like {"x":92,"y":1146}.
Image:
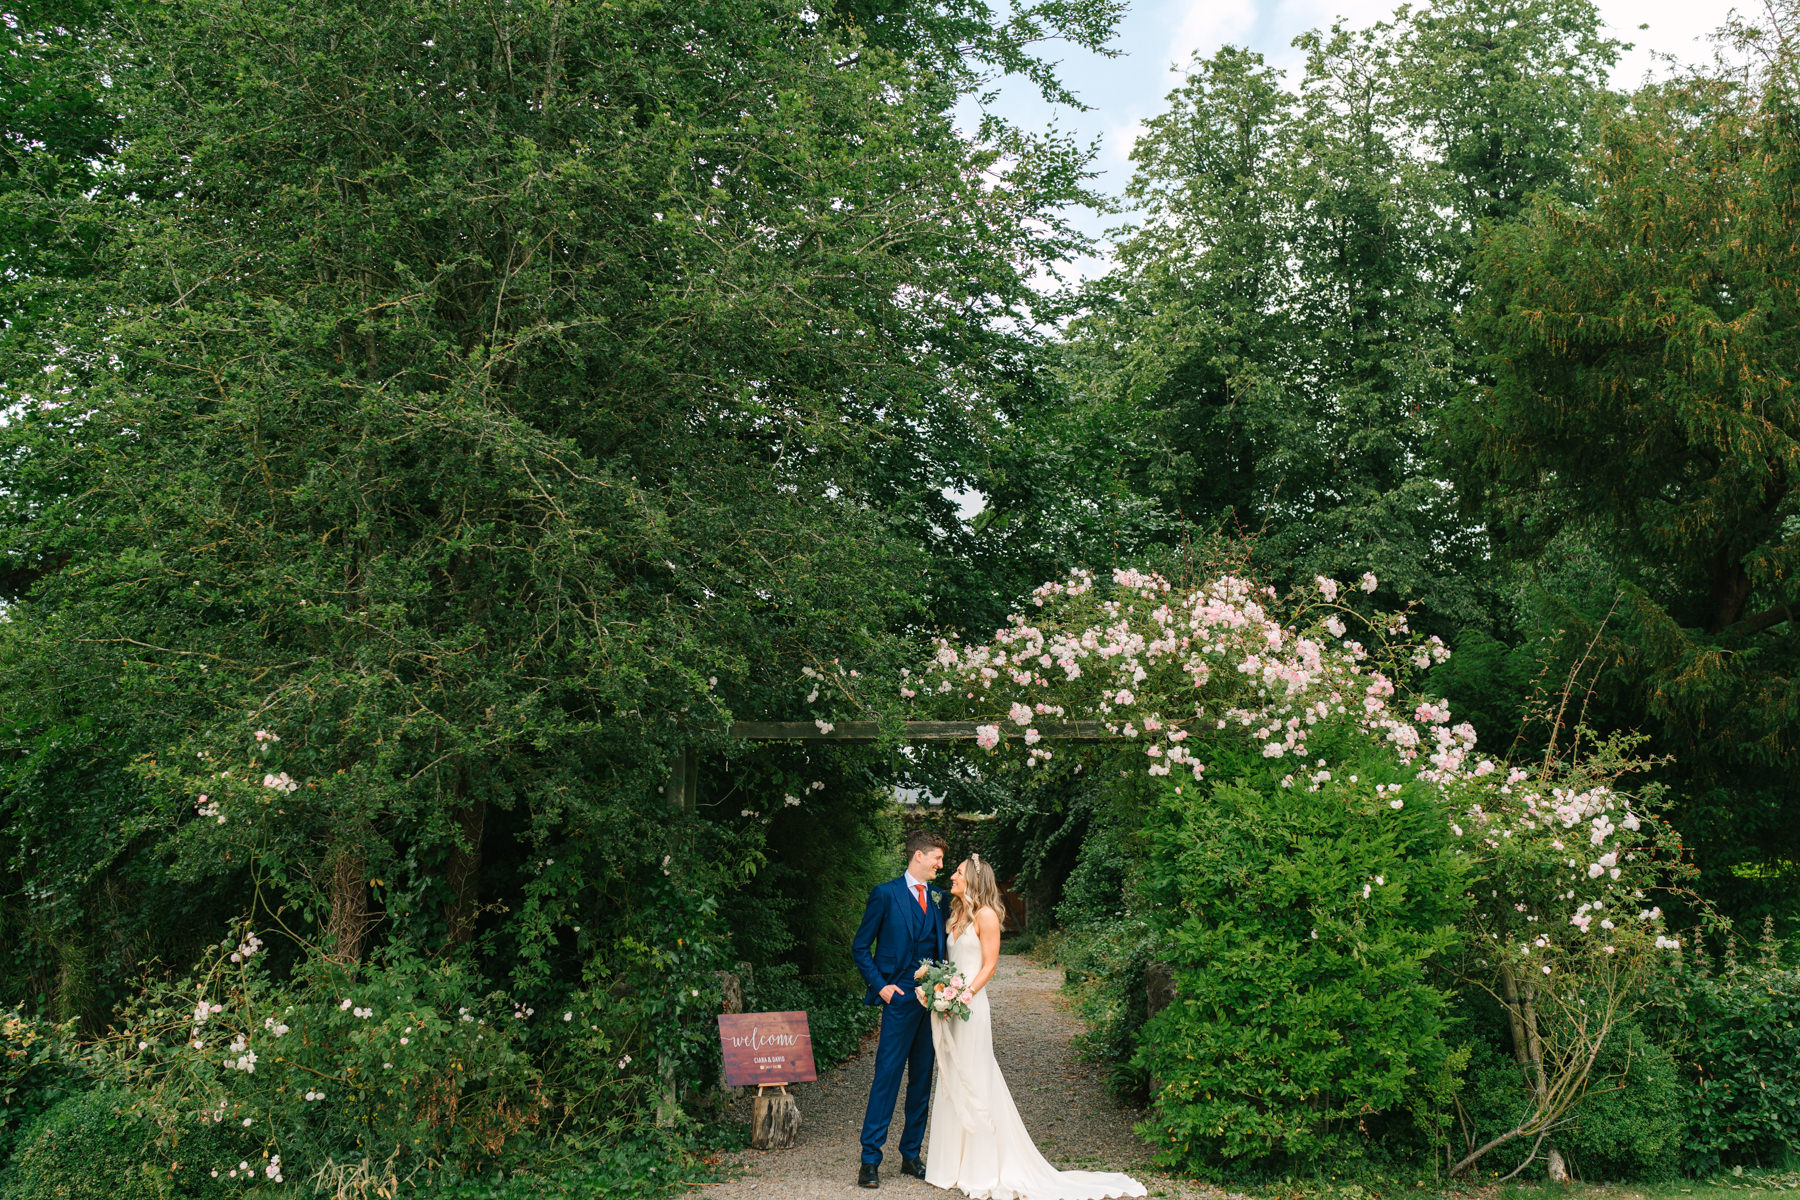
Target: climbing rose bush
{"x":1564,"y":930}
{"x":1185,"y":677}
{"x":1328,"y":847}
{"x":1160,"y":667}
{"x":1571,"y":868}
{"x":395,"y":1057}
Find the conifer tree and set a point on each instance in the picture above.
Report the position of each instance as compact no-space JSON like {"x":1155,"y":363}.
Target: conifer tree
{"x":1644,"y":355}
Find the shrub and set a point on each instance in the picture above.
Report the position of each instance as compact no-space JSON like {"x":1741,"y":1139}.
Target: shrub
{"x":1104,"y":968}
{"x":1630,"y":1126}
{"x":1095,"y":892}
{"x":1300,"y":921}
{"x":396,"y":1055}
{"x":38,"y":1067}
{"x":1563,"y":932}
{"x":653,"y":1162}
{"x":91,"y":1146}
{"x":1494,"y":1096}
{"x":1736,"y":1037}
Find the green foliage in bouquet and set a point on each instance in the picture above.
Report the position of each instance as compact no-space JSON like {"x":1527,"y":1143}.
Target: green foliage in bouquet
{"x":942,"y":985}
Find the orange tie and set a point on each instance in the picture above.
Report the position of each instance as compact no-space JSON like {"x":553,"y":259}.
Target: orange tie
{"x":921,"y":890}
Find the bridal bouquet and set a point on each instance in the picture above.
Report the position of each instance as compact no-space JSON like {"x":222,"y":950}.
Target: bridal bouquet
{"x":942,"y":989}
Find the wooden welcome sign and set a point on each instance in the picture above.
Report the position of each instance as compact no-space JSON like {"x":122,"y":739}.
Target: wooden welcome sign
{"x":766,"y":1048}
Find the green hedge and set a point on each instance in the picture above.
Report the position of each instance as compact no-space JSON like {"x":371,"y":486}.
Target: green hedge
{"x":1301,"y":922}
{"x":1736,"y":1036}
{"x":1708,"y":1077}
{"x":91,"y":1147}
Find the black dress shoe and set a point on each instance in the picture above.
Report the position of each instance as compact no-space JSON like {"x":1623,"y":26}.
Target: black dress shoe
{"x":913,"y":1166}
{"x":869,"y":1176}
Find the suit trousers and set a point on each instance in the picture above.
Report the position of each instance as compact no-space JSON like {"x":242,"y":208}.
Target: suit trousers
{"x":905,"y":1046}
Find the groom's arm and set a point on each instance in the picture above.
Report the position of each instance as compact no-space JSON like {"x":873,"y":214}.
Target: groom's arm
{"x":866,"y":933}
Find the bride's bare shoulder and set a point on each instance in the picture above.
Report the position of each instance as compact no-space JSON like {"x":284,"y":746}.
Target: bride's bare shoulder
{"x":987,"y":918}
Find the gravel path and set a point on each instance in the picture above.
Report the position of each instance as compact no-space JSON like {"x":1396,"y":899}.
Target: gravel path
{"x":1064,"y":1102}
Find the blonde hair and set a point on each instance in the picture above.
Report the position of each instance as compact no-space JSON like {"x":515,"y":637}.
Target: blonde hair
{"x":980,"y":890}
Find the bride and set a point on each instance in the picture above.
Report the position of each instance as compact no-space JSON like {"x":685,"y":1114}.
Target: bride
{"x":978,"y":1143}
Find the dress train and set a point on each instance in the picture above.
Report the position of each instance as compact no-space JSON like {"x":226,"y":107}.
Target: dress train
{"x":978,"y":1143}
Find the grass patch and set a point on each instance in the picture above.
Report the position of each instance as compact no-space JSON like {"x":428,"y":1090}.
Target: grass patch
{"x":1730,"y":1185}
{"x":1740,"y":1184}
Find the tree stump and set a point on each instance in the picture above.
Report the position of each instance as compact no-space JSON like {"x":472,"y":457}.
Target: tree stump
{"x":1159,"y":993}
{"x":731,"y":1000}
{"x":731,"y":991}
{"x":1159,"y":988}
{"x":774,"y":1120}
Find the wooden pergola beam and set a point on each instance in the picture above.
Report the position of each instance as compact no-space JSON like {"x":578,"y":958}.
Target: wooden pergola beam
{"x":682,"y":790}
{"x":910,"y":731}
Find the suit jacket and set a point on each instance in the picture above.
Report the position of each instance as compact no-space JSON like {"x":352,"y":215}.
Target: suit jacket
{"x":892,"y":929}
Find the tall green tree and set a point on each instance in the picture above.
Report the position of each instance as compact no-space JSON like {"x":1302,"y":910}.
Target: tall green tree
{"x":1643,"y":346}
{"x":481,"y":397}
{"x":1278,"y":345}
{"x":1274,"y":354}
{"x":1505,"y":94}
{"x":1191,"y":342}
{"x":55,"y":134}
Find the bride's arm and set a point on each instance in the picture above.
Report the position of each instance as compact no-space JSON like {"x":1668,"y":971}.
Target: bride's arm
{"x":987,"y":928}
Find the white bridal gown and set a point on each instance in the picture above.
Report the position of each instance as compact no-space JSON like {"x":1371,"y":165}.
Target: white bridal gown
{"x":978,"y":1143}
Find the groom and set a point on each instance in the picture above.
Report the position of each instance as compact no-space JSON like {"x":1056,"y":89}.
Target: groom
{"x":905,"y":924}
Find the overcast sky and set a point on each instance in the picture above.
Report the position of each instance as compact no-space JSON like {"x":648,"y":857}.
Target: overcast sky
{"x":1158,"y":37}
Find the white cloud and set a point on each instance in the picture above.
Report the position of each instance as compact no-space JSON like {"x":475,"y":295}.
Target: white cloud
{"x":1117,"y":141}
{"x":1679,"y":29}
{"x":1204,"y":27}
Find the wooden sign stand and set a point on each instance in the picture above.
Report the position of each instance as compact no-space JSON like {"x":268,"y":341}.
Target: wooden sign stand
{"x":768,"y":1050}
{"x":775,"y":1118}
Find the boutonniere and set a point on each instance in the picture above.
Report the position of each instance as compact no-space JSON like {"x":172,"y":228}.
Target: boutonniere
{"x":937,"y":897}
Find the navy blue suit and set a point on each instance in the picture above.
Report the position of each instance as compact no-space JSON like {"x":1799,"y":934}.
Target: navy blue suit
{"x":901,"y":934}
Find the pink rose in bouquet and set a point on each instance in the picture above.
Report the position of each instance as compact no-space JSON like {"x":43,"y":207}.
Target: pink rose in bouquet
{"x":942,"y":989}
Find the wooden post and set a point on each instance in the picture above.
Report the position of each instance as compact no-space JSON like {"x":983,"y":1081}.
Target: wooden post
{"x":1159,"y":988}
{"x":775,"y":1118}
{"x":683,"y":789}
